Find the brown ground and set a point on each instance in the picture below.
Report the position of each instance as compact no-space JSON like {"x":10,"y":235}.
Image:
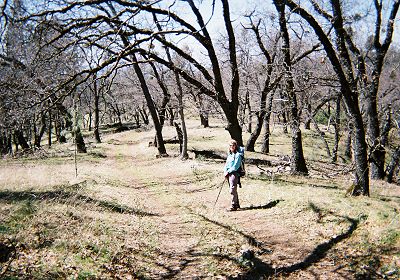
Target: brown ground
{"x":130,"y":215}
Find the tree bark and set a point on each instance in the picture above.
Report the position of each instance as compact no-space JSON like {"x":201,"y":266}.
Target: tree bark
{"x":348,"y":148}
{"x":380,"y":51}
{"x":298,"y":163}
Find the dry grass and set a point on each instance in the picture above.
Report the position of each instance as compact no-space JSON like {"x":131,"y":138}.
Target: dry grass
{"x":130,"y":215}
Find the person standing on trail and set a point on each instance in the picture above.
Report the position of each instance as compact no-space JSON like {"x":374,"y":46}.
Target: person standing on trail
{"x":231,"y":173}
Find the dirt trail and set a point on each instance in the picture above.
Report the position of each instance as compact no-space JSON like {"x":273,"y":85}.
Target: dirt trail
{"x":131,"y":215}
{"x":194,"y":239}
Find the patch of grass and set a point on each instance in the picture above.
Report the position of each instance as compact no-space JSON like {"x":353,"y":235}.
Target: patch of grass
{"x":19,"y":217}
{"x":390,"y":238}
{"x":86,"y":275}
{"x":4,"y":228}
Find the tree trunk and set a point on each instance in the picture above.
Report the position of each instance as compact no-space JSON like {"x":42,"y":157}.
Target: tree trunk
{"x":179,"y":96}
{"x":256,"y":132}
{"x":171,"y":113}
{"x":204,"y":119}
{"x":283,"y":97}
{"x":348,"y":148}
{"x":336,"y":126}
{"x":180,"y":136}
{"x":307,"y":122}
{"x":39,"y":134}
{"x":394,"y":162}
{"x":96,"y":109}
{"x":387,"y":125}
{"x":9,"y":143}
{"x":49,"y":140}
{"x":322,"y":135}
{"x":298,"y":163}
{"x":377,"y":154}
{"x":248,"y":105}
{"x":267,"y":118}
{"x":20,"y":139}
{"x":260,"y":119}
{"x":150,"y":104}
{"x":79,"y":141}
{"x":234,"y":128}
{"x":360,"y":157}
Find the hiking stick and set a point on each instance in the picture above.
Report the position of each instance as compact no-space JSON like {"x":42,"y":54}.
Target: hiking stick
{"x":220,"y":189}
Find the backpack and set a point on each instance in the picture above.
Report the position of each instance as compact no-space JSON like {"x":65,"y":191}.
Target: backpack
{"x":242,"y":169}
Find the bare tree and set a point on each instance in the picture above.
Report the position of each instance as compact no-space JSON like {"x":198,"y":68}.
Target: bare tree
{"x":341,"y":63}
{"x":298,"y":163}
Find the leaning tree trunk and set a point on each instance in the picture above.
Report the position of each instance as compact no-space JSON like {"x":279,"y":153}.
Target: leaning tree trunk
{"x":259,"y":123}
{"x":256,"y":132}
{"x":166,"y":98}
{"x":179,"y":95}
{"x":298,"y":163}
{"x":150,"y":104}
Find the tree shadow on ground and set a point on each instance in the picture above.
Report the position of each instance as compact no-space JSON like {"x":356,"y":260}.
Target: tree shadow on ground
{"x":266,"y":206}
{"x":279,"y":179}
{"x":260,"y":269}
{"x":63,"y":196}
{"x":250,"y":239}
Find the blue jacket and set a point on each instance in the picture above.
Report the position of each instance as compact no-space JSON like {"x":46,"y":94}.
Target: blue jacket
{"x":233,"y":162}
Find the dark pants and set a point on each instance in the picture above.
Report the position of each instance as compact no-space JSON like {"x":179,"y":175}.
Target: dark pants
{"x":233,"y":182}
